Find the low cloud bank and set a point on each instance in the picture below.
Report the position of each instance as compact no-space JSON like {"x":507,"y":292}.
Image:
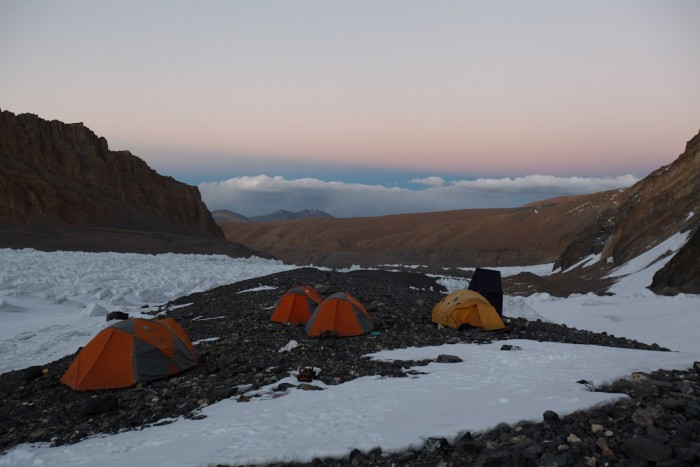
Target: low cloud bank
{"x":262,"y":194}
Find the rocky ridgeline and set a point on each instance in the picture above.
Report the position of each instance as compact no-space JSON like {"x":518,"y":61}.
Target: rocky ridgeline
{"x":58,"y":174}
{"x":658,"y":206}
{"x":660,"y":421}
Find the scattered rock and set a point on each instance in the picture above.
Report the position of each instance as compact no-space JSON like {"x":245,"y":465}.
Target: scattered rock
{"x":448,"y":359}
{"x":309,"y":387}
{"x":551,"y":417}
{"x":120,"y":315}
{"x":31,"y":373}
{"x":646,"y":448}
{"x":510,"y":347}
{"x":99,"y":405}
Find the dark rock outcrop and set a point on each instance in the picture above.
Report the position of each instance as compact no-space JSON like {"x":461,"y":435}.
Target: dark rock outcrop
{"x":658,"y":206}
{"x":682,"y":273}
{"x":63,"y":175}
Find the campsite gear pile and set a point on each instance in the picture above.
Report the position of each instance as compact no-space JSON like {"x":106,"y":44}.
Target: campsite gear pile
{"x":480,"y":306}
{"x":343,"y":315}
{"x":139,"y":350}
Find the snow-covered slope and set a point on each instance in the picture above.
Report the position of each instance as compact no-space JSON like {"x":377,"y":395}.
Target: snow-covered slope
{"x":53,"y":303}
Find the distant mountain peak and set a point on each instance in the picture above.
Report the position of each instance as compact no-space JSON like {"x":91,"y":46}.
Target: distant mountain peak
{"x":224,"y":215}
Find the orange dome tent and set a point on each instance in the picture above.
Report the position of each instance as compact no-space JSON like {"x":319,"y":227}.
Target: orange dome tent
{"x":130,"y":351}
{"x":296,"y":305}
{"x":467,"y":307}
{"x":341,"y":314}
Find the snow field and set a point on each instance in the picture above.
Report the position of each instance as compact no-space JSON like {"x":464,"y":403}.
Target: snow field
{"x":53,"y":303}
{"x":490,"y":387}
{"x":121,"y":279}
{"x":46,"y":300}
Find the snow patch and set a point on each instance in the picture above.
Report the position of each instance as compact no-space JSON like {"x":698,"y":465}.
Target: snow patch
{"x":258,"y":289}
{"x":64,"y":294}
{"x":638,"y":273}
{"x":94,"y":309}
{"x":507,"y":271}
{"x":517,"y":307}
{"x":585,"y":262}
{"x":208,"y":339}
{"x":289,"y":346}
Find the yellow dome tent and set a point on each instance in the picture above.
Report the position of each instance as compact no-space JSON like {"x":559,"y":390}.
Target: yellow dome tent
{"x":467,"y":307}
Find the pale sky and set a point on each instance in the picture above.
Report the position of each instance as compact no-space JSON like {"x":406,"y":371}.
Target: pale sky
{"x":364,"y":92}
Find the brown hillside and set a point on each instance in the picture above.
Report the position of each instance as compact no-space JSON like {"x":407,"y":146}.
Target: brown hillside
{"x":488,"y":237}
{"x":224,"y":215}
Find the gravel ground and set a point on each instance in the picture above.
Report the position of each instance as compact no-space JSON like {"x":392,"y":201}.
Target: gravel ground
{"x":658,"y":425}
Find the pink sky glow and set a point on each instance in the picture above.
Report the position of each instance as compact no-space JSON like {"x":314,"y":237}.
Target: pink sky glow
{"x":504,"y":88}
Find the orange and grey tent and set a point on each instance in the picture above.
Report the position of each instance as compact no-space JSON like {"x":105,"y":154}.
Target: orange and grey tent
{"x":130,"y":351}
{"x":340,"y":314}
{"x":467,"y":307}
{"x":296,"y":305}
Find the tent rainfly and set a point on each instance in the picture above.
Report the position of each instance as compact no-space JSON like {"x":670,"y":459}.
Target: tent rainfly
{"x":341,"y":314}
{"x":296,"y":305}
{"x":131,"y":351}
{"x":467,"y":307}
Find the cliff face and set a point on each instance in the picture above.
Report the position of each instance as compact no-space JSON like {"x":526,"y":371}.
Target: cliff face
{"x":662,"y":204}
{"x":658,"y":206}
{"x":682,"y":273}
{"x":57,"y":174}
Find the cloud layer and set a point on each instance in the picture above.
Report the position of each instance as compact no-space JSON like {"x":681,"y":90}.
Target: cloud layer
{"x":262,"y":194}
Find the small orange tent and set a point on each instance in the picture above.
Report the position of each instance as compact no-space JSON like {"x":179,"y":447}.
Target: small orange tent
{"x":467,"y":307}
{"x":296,"y":305}
{"x":341,"y":314}
{"x":130,"y":351}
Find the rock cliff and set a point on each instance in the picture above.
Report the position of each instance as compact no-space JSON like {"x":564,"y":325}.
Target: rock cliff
{"x":658,"y":206}
{"x":63,"y":175}
{"x":682,"y":273}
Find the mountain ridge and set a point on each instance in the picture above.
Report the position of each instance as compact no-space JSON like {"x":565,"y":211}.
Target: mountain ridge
{"x":61,"y":187}
{"x":222,"y":216}
{"x":60,"y":174}
{"x":658,"y":206}
{"x":533,"y":234}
